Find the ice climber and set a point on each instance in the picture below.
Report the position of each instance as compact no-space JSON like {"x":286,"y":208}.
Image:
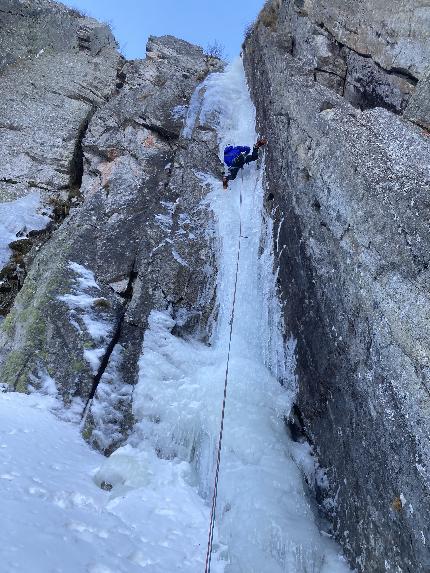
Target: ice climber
{"x":236,"y":157}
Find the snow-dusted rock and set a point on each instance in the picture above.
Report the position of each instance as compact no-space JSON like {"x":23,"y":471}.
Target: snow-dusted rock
{"x":349,"y":189}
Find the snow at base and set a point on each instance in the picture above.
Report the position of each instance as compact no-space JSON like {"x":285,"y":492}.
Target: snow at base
{"x":55,"y":518}
{"x":156,"y":517}
{"x":16,"y":216}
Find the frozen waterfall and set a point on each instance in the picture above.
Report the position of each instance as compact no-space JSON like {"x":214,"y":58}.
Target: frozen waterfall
{"x":265,"y":523}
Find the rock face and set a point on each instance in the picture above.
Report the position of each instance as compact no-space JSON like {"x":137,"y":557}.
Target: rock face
{"x":374,"y":64}
{"x":418,"y":109}
{"x":56,"y":67}
{"x":135,"y":240}
{"x":394,"y":35}
{"x":349,"y":188}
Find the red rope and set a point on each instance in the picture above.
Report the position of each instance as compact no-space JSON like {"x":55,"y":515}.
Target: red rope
{"x":218,"y":461}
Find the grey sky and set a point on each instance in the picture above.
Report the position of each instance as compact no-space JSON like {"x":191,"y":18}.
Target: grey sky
{"x":200,"y":22}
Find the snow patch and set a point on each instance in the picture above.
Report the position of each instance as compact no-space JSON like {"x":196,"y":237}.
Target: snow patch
{"x":179,"y":111}
{"x":54,"y":517}
{"x":19,"y":216}
{"x":82,"y":302}
{"x":179,"y":259}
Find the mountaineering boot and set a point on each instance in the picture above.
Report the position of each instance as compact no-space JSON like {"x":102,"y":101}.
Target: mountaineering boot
{"x":260,"y":142}
{"x":225,"y":182}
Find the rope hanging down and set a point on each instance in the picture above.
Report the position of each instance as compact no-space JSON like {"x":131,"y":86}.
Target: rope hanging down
{"x":218,"y":461}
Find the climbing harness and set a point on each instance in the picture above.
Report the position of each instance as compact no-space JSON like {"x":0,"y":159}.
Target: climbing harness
{"x":218,"y":461}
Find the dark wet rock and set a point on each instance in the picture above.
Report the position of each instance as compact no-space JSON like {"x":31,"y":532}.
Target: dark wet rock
{"x":21,"y":246}
{"x":367,"y":85}
{"x":350,"y":198}
{"x":106,"y":486}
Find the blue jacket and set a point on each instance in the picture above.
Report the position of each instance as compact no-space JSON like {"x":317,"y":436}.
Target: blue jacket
{"x":230,"y":153}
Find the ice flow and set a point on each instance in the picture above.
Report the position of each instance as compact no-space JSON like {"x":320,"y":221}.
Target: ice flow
{"x":264,"y":521}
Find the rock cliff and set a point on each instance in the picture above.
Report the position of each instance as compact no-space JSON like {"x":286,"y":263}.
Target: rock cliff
{"x":104,"y":137}
{"x":56,"y":68}
{"x":341,"y":90}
